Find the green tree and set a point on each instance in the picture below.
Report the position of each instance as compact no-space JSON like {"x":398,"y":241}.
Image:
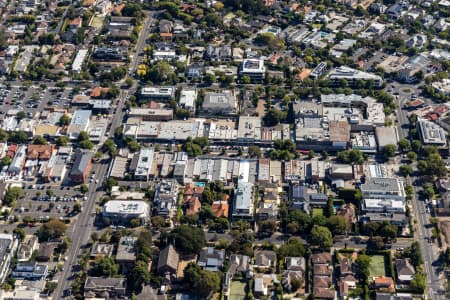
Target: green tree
{"x":293,"y":247}
{"x":134,"y":146}
{"x":18,"y":137}
{"x":51,"y":230}
{"x":404,"y":145}
{"x":188,"y":240}
{"x":109,"y":147}
{"x":6,"y":161}
{"x":20,"y":232}
{"x":353,"y":156}
{"x":337,"y":225}
{"x":418,"y":284}
{"x":389,"y":151}
{"x":83,"y":136}
{"x":428,"y":191}
{"x":405,"y":170}
{"x":376,"y":243}
{"x":62,"y":140}
{"x":416,"y":255}
{"x":412,"y":155}
{"x":64,"y":120}
{"x":311,"y":154}
{"x":321,"y":236}
{"x":21,"y":115}
{"x":267,"y":227}
{"x":39,"y":140}
{"x":50,"y":286}
{"x":254,"y":151}
{"x":203,"y":282}
{"x":3,"y":135}
{"x":77,"y":208}
{"x":84,"y":189}
{"x":209,"y":78}
{"x":158,"y":222}
{"x":105,"y":267}
{"x":12,"y":195}
{"x":138,"y":276}
{"x":86,"y":144}
{"x":363,"y":266}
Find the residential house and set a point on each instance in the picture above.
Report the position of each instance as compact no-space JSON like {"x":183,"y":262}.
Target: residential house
{"x":27,"y":247}
{"x":383,"y":283}
{"x":265,"y":259}
{"x":211,"y":259}
{"x":238,"y":264}
{"x":126,"y":253}
{"x":322,"y":276}
{"x":295,"y":270}
{"x":348,"y":211}
{"x":101,"y":250}
{"x":45,"y":251}
{"x":404,"y":270}
{"x":96,"y":287}
{"x":168,"y":261}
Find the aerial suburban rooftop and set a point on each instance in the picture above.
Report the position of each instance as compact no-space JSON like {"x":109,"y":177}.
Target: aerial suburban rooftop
{"x":234,"y":149}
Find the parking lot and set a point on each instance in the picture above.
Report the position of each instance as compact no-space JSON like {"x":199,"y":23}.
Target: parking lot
{"x":33,"y":99}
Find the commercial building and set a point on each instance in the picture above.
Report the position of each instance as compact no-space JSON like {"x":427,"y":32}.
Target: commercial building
{"x":224,"y":103}
{"x":80,"y":122}
{"x":386,"y":136}
{"x":33,"y":271}
{"x":18,"y":161}
{"x":383,"y":205}
{"x":431,"y":133}
{"x":253,"y":68}
{"x":144,"y":164}
{"x":8,"y":247}
{"x":163,"y":93}
{"x":188,"y":97}
{"x":166,"y":196}
{"x":353,"y":76}
{"x":151,"y":114}
{"x":249,"y":130}
{"x":383,"y":188}
{"x":79,"y":60}
{"x":243,"y":202}
{"x":81,"y":166}
{"x":123,"y":211}
{"x":319,"y":70}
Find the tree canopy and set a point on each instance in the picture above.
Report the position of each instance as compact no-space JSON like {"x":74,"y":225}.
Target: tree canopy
{"x":321,"y":236}
{"x":51,"y":230}
{"x":188,"y":240}
{"x":202,"y":282}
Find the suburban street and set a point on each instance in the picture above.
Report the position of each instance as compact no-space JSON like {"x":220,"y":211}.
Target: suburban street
{"x":423,"y":232}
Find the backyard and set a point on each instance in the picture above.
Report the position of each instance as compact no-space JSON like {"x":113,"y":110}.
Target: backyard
{"x":237,"y":290}
{"x":377,"y":266}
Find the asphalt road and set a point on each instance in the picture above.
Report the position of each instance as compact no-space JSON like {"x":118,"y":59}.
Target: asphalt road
{"x":423,"y":234}
{"x":80,"y":233}
{"x":141,"y":42}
